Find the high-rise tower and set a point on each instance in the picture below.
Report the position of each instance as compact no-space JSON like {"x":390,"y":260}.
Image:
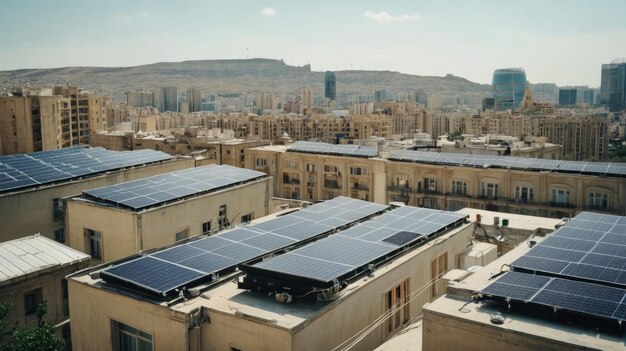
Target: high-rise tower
{"x":330,"y":85}
{"x":613,"y":85}
{"x":508,"y":87}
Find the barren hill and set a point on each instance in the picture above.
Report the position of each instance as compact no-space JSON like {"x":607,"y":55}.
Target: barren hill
{"x":224,"y":76}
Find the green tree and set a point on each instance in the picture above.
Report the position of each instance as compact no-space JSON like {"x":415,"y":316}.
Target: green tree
{"x":40,"y":338}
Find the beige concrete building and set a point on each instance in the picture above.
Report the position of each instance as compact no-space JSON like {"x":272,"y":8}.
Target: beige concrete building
{"x":34,"y":123}
{"x":32,"y":193}
{"x":117,"y":221}
{"x":560,"y":190}
{"x":33,"y":270}
{"x":320,"y":176}
{"x":571,"y":319}
{"x":87,"y":113}
{"x":218,"y":316}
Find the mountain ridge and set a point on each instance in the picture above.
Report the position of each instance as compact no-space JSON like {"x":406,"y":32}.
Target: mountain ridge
{"x":235,"y":75}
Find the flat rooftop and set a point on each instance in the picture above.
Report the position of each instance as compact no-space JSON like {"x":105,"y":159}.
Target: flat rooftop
{"x":516,"y":221}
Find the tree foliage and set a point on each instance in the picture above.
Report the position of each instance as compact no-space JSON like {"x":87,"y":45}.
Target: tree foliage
{"x":17,"y":338}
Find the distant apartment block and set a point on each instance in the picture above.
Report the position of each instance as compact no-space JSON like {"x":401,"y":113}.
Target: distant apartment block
{"x":544,"y":187}
{"x":35,"y":123}
{"x":87,"y":113}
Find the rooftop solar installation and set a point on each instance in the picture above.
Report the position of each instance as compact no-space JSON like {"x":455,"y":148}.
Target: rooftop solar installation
{"x":563,"y":294}
{"x":332,"y":149}
{"x":346,"y":254}
{"x":506,"y":162}
{"x":159,"y":189}
{"x":163,"y":272}
{"x":46,"y":167}
{"x":580,"y":267}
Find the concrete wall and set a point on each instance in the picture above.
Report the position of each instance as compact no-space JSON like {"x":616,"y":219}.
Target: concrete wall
{"x":50,"y":283}
{"x":226,"y":331}
{"x":92,"y":319}
{"x":30,"y":211}
{"x":125,"y":232}
{"x":444,"y":332}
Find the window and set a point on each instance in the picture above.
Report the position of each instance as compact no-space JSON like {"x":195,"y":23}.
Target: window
{"x":246,"y":218}
{"x":459,"y":187}
{"x":57,"y":209}
{"x":523,"y":194}
{"x":401,"y":182}
{"x":127,"y":338}
{"x":32,"y":299}
{"x":438,"y":267}
{"x":430,"y":184}
{"x":397,"y":300}
{"x":261,"y":162}
{"x":94,"y":242}
{"x":222,"y":220}
{"x":489,"y":190}
{"x":206,"y":227}
{"x":358,"y":171}
{"x":331,"y":169}
{"x":310,"y":167}
{"x":65,"y":298}
{"x":59,"y":235}
{"x":182,"y":234}
{"x":560,"y":196}
{"x":598,"y":200}
{"x":291,"y":164}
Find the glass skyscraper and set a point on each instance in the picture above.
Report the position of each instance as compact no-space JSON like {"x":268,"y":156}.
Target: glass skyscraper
{"x":330,"y":86}
{"x":508,"y":87}
{"x":613,"y":85}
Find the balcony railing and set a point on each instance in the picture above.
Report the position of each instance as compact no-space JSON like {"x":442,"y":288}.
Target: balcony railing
{"x":561,"y":204}
{"x":430,"y":191}
{"x":402,"y":189}
{"x":360,"y":187}
{"x":291,"y":181}
{"x":523,"y":201}
{"x":466,"y":195}
{"x":332,"y":185}
{"x":488,"y":197}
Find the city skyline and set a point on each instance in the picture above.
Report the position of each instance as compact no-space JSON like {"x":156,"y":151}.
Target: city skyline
{"x":563,"y":46}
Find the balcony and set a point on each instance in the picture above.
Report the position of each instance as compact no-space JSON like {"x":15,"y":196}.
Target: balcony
{"x":295,"y":181}
{"x":399,"y":189}
{"x":488,"y":197}
{"x":464,"y":195}
{"x":363,"y":187}
{"x":561,"y":204}
{"x":430,"y":192}
{"x":331,"y":184}
{"x":523,"y":201}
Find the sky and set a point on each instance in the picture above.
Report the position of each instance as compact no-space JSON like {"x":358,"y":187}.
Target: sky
{"x":562,"y":42}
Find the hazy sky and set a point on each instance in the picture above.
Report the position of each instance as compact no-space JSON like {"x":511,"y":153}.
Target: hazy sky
{"x":563,"y":41}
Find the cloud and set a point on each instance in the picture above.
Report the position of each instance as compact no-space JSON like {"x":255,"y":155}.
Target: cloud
{"x":384,"y":16}
{"x":269,"y":12}
{"x":144,"y":14}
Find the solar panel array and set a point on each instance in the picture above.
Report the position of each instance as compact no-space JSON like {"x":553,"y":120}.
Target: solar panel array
{"x":45,"y":167}
{"x":582,"y":266}
{"x":575,"y":296}
{"x":331,"y":149}
{"x":344,"y":254}
{"x":164,"y":271}
{"x":521,"y":163}
{"x":162,"y":188}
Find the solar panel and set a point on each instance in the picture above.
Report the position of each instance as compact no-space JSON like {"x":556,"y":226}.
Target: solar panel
{"x":443,"y":158}
{"x":45,"y":167}
{"x":331,"y":149}
{"x":561,"y":294}
{"x":590,"y":247}
{"x":201,"y":259}
{"x":348,"y":253}
{"x":159,"y":189}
